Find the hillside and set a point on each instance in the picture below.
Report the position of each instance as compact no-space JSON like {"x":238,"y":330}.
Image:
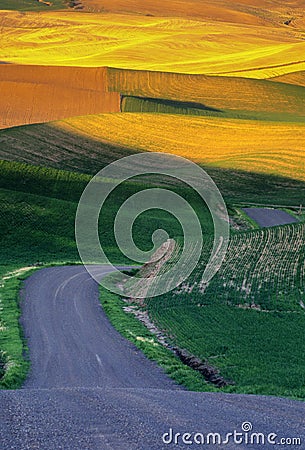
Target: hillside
{"x":222,"y":83}
{"x":86,"y":144}
{"x":251,"y":146}
{"x":242,"y":11}
{"x":167,"y":44}
{"x":195,"y":9}
{"x":75,"y":91}
{"x":33,"y":5}
{"x":31,"y":94}
{"x":246,"y":322}
{"x":296,"y":78}
{"x":235,"y":94}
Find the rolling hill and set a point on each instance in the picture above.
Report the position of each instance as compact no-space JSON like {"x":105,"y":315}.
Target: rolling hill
{"x":221,"y":83}
{"x":242,"y":11}
{"x":247,"y":168}
{"x":168,"y":44}
{"x":31,"y":94}
{"x":251,"y":146}
{"x":296,"y":78}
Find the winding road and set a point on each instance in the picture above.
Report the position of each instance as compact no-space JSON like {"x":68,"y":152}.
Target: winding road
{"x":89,"y":388}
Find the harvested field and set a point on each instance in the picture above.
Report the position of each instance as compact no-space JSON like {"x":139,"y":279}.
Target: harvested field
{"x":33,"y":94}
{"x":199,"y":10}
{"x":296,"y":78}
{"x":151,"y":43}
{"x":73,"y":91}
{"x":251,"y":146}
{"x":269,"y":217}
{"x":248,"y":12}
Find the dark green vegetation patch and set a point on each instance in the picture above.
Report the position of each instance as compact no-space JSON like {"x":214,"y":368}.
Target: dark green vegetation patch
{"x":32,"y":5}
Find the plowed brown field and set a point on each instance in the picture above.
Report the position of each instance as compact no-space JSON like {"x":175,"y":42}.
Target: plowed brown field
{"x":33,"y":94}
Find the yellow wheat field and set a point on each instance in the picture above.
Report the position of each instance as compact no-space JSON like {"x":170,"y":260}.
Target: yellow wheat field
{"x":261,"y":147}
{"x":152,"y":43}
{"x":296,"y":78}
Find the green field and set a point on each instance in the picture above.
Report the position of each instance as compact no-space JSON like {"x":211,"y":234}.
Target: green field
{"x":37,"y":214}
{"x":38,"y":206}
{"x":261,"y":352}
{"x":248,"y":321}
{"x":32,"y":5}
{"x":166,"y":106}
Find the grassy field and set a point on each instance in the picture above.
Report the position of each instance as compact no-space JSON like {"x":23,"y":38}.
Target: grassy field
{"x":14,"y":363}
{"x":164,"y":106}
{"x":221,"y":83}
{"x":37,"y":219}
{"x":37,"y":213}
{"x":38,"y":208}
{"x":263,"y":267}
{"x":248,"y":320}
{"x":32,"y":5}
{"x":262,"y":353}
{"x":151,"y":43}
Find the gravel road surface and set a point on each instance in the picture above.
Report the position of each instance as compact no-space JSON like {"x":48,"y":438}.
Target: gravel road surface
{"x":269,"y":217}
{"x":89,"y":388}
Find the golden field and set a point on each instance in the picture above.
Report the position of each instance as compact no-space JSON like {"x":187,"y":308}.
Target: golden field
{"x":69,"y":38}
{"x":31,"y":94}
{"x":231,"y":56}
{"x":296,"y":78}
{"x":198,"y":9}
{"x":252,"y":146}
{"x":242,"y":11}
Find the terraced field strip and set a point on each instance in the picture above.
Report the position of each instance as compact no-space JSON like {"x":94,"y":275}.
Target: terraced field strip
{"x":74,"y":91}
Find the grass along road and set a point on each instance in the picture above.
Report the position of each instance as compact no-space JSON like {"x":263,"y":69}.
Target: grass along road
{"x":115,"y":406}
